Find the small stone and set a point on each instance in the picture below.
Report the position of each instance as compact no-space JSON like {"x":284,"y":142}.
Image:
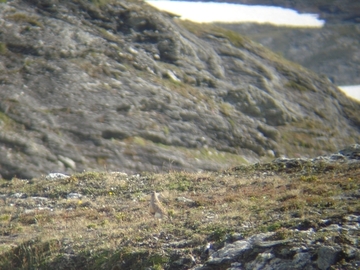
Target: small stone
{"x":74,"y":195}
{"x":18,"y":195}
{"x":68,"y":162}
{"x":352,"y":218}
{"x":120,"y":174}
{"x":270,"y":153}
{"x":326,"y":257}
{"x":56,"y":176}
{"x":133,"y":51}
{"x":332,"y":227}
{"x":337,"y":157}
{"x":169,"y":74}
{"x":184,"y":200}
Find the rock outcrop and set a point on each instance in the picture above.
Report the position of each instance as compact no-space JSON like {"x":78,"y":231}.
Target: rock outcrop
{"x":305,"y":251}
{"x":120,"y":86}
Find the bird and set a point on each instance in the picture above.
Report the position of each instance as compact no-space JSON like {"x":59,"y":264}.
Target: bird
{"x":156,"y":208}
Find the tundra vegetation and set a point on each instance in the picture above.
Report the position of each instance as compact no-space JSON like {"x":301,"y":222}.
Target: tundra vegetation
{"x":107,"y":223}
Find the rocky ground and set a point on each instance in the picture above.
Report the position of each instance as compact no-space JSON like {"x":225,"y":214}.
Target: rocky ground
{"x":108,"y":85}
{"x":287,"y":214}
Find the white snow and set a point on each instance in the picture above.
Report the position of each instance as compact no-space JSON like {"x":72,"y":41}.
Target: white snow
{"x":204,"y":12}
{"x":351,"y":91}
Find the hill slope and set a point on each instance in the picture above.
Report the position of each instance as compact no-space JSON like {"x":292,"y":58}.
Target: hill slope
{"x":331,"y":50}
{"x":121,"y":86}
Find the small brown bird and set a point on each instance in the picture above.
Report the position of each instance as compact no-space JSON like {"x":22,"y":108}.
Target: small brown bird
{"x":156,"y":208}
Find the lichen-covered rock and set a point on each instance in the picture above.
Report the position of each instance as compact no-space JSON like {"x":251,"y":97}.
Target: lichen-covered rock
{"x":260,"y":251}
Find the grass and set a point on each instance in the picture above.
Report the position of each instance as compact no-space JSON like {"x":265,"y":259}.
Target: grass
{"x":221,"y":158}
{"x":100,"y":3}
{"x":296,"y":86}
{"x":300,"y":138}
{"x":3,"y":48}
{"x":22,"y":17}
{"x":7,"y":123}
{"x":226,"y":108}
{"x":110,"y":226}
{"x":202,"y":29}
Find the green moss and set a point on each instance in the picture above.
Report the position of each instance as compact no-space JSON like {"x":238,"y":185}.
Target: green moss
{"x":180,"y":182}
{"x":91,"y":226}
{"x":166,"y":130}
{"x":235,"y":38}
{"x":209,"y":154}
{"x":6,"y":123}
{"x":4,"y":217}
{"x":131,"y":258}
{"x":296,"y":86}
{"x":3,"y":48}
{"x":310,"y":178}
{"x":273,"y":227}
{"x":216,"y":233}
{"x":100,"y":3}
{"x":140,"y":141}
{"x":202,"y":29}
{"x":107,"y":35}
{"x":87,"y":176}
{"x":22,"y":17}
{"x":226,"y":108}
{"x":30,"y":255}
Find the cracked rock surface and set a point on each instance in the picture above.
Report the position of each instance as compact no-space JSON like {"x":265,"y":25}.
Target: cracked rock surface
{"x":124,"y":87}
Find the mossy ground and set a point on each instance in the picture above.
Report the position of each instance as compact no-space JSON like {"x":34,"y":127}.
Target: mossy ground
{"x":110,"y":225}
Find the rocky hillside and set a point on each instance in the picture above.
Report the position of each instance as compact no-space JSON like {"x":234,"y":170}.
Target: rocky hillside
{"x":112,"y":85}
{"x":331,"y":50}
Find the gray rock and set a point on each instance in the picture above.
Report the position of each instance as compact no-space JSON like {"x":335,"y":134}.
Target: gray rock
{"x":74,"y":195}
{"x":351,"y":152}
{"x":68,"y":162}
{"x":80,"y":90}
{"x":184,"y":200}
{"x":352,"y":218}
{"x":56,"y":176}
{"x":327,"y":256}
{"x":258,"y":252}
{"x":18,"y":195}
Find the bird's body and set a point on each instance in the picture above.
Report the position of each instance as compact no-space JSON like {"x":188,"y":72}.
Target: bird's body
{"x":156,"y":208}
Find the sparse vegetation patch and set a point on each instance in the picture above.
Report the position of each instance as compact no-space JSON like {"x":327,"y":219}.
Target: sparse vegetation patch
{"x":109,"y":224}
